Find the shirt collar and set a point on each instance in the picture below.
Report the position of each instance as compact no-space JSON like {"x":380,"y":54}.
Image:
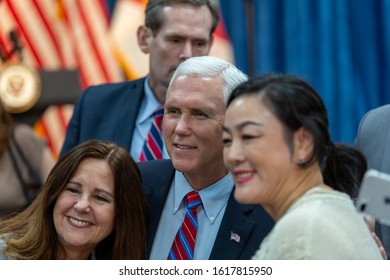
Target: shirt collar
{"x":151,"y":103}
{"x":214,"y":197}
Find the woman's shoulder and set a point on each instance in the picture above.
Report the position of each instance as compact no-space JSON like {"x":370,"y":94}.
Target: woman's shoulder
{"x":317,"y":200}
{"x":319,"y":208}
{"x":329,"y":227}
{"x":28,"y":141}
{"x":317,"y":212}
{"x":23,"y":131}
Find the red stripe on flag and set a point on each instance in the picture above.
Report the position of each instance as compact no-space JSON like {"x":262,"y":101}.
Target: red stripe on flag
{"x":92,"y":41}
{"x":104,"y":5}
{"x":3,"y":46}
{"x":61,"y":117}
{"x":50,"y":32}
{"x":48,"y":137}
{"x":68,"y":26}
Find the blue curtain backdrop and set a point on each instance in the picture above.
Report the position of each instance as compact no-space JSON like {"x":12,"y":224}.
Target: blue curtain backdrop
{"x":342,"y":47}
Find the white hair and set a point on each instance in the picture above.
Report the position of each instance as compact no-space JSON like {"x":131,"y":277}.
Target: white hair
{"x":212,"y":66}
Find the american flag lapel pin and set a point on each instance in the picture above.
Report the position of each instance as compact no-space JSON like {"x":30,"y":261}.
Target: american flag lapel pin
{"x":234,"y":236}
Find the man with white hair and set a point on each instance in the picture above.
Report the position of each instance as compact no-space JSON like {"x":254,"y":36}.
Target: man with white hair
{"x":192,"y":211}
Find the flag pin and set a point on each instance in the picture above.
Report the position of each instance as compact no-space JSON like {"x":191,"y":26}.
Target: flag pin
{"x":234,"y":236}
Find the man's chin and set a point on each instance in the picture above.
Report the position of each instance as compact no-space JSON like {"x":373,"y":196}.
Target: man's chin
{"x":183,"y":165}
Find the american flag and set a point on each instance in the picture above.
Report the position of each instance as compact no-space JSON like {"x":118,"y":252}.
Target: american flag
{"x":234,"y":236}
{"x":61,"y":34}
{"x":82,"y":35}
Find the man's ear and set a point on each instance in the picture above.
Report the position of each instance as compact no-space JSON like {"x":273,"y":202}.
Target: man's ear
{"x":303,"y":142}
{"x":144,"y":36}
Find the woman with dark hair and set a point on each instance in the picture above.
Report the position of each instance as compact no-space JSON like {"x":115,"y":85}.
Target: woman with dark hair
{"x":92,"y":206}
{"x":277,"y":146}
{"x":25,"y":163}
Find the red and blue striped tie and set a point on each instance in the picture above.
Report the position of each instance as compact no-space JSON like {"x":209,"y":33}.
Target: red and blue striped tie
{"x":184,"y":243}
{"x":154,"y":144}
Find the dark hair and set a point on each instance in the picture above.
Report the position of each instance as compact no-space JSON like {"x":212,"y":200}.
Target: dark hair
{"x":6,"y":126}
{"x":345,"y":168}
{"x":154,"y":16}
{"x":296,"y":104}
{"x":32,"y":235}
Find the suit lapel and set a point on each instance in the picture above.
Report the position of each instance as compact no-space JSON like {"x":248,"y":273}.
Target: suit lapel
{"x":128,"y":117}
{"x":233,"y":233}
{"x":156,"y":190}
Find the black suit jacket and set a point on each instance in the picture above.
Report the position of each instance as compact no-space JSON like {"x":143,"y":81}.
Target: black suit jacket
{"x":105,"y":112}
{"x":251,"y":222}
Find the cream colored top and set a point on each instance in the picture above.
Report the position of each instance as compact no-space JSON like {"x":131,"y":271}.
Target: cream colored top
{"x":322,"y":224}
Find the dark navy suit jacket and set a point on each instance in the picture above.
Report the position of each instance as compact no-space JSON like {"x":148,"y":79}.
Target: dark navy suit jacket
{"x":250,"y":222}
{"x":105,"y":112}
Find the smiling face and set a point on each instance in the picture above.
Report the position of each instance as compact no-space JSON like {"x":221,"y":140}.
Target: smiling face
{"x":84,"y":211}
{"x":255,"y":151}
{"x":194,"y":114}
{"x":185,"y":33}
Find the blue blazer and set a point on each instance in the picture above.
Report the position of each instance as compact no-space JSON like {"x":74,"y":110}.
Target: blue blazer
{"x":105,"y":112}
{"x":251,"y":222}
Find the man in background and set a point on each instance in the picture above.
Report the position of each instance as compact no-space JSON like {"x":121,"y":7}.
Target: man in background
{"x":130,"y":113}
{"x":373,"y":140}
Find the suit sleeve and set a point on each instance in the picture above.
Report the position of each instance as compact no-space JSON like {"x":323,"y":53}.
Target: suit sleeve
{"x":360,"y":132}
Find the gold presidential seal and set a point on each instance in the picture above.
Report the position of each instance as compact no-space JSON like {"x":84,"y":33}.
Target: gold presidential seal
{"x":20,"y":87}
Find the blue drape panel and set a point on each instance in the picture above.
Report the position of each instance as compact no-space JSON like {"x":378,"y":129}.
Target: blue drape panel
{"x":342,"y":47}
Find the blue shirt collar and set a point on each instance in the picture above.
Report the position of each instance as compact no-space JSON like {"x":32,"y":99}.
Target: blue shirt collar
{"x":214,"y":197}
{"x":151,"y":103}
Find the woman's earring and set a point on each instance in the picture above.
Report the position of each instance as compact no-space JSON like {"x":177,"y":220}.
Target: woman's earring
{"x":301,"y":162}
